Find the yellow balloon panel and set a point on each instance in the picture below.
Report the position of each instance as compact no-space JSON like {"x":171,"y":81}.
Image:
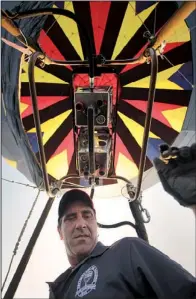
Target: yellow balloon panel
{"x":162,"y":82}
{"x":11,"y":163}
{"x":22,"y":107}
{"x":58,"y":165}
{"x":50,"y":126}
{"x":175,"y":117}
{"x":40,"y":76}
{"x":126,"y":167}
{"x":70,"y":29}
{"x":129,"y":28}
{"x":135,"y":129}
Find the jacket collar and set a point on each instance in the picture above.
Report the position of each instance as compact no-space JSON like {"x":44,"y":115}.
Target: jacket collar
{"x":97,"y":251}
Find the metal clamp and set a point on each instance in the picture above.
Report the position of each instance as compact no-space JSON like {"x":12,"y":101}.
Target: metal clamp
{"x":146,"y":213}
{"x":131,"y":189}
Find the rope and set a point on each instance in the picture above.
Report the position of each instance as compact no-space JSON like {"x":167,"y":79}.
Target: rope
{"x":19,"y":239}
{"x":139,"y":18}
{"x":179,"y":72}
{"x":27,"y":185}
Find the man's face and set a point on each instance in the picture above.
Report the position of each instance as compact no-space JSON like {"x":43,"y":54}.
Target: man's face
{"x":78,"y":229}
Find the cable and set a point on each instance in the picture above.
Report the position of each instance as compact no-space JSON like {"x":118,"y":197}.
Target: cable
{"x":19,"y":238}
{"x":27,"y":185}
{"x":178,"y":71}
{"x":115,"y":225}
{"x":190,"y":29}
{"x":74,"y":185}
{"x":139,"y":18}
{"x":24,"y":37}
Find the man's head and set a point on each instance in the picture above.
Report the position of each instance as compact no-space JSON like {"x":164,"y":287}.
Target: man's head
{"x":77,"y":224}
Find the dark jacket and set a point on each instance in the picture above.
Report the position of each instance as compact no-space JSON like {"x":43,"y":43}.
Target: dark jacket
{"x":128,"y":269}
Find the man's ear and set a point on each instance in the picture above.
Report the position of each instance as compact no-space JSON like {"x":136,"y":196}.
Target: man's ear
{"x":60,"y":233}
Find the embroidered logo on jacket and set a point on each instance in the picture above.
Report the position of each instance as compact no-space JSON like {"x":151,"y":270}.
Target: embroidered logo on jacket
{"x":87,"y":282}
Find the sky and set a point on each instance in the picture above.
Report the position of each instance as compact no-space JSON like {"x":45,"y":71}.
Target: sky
{"x":171,"y":230}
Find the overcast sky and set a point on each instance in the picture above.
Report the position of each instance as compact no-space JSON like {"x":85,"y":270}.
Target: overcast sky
{"x":171,"y":230}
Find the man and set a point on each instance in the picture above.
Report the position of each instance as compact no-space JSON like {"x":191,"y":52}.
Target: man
{"x":130,"y":268}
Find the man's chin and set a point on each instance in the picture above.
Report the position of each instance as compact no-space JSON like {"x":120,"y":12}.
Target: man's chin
{"x":83,"y":248}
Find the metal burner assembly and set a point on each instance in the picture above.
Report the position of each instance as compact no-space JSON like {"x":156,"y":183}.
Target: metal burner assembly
{"x":95,"y":144}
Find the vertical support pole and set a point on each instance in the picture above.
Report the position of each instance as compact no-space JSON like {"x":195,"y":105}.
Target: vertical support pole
{"x":90,"y":119}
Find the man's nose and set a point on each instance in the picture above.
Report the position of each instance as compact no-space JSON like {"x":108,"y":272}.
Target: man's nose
{"x":80,"y":223}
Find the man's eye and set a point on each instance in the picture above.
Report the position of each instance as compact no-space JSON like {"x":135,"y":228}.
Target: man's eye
{"x":88,"y":215}
{"x":69,"y":218}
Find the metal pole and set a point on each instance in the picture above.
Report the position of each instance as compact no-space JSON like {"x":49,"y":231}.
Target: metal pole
{"x":90,"y":120}
{"x":105,"y":63}
{"x":28,"y":251}
{"x":134,"y":205}
{"x":32,"y":88}
{"x":151,"y":96}
{"x":50,"y":191}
